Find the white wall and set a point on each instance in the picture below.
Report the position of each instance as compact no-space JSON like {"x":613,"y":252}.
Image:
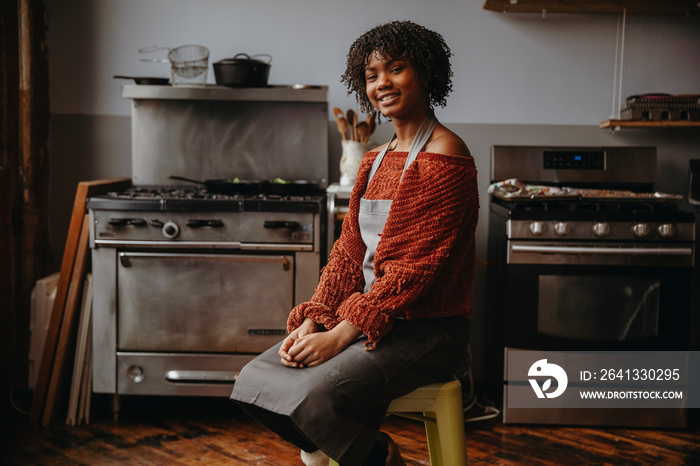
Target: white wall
{"x":509,"y":69}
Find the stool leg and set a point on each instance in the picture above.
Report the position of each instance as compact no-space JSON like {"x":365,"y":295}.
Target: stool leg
{"x":450,"y":425}
{"x":432,"y":434}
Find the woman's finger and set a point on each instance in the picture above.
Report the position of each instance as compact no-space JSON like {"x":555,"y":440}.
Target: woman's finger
{"x":289,"y":362}
{"x":296,"y":349}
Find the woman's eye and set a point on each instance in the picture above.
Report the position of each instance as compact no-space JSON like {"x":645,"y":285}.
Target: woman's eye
{"x":371,"y":77}
{"x":396,"y":69}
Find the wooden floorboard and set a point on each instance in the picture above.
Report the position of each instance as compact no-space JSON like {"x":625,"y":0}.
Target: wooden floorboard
{"x":208,"y":431}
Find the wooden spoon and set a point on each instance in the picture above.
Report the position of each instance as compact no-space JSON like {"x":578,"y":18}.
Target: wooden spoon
{"x":372,"y":124}
{"x":362,"y":130}
{"x":341,"y":122}
{"x":352,"y":121}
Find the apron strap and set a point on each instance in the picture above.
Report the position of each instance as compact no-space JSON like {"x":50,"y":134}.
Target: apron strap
{"x":421,"y":138}
{"x":419,"y":141}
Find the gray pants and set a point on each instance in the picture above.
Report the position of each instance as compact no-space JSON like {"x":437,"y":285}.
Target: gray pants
{"x":339,"y":405}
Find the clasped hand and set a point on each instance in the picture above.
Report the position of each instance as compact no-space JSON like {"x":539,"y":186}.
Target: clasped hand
{"x":307,"y":346}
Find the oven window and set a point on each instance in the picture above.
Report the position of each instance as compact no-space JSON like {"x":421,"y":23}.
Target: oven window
{"x":608,"y":308}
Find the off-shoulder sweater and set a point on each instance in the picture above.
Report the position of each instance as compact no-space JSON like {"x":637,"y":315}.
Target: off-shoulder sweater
{"x":424,"y":262}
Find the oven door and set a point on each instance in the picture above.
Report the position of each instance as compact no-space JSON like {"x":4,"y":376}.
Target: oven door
{"x":601,"y":297}
{"x":202,"y":302}
{"x":596,"y":297}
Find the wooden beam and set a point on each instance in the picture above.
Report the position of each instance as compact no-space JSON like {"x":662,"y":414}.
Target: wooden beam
{"x":10,"y":199}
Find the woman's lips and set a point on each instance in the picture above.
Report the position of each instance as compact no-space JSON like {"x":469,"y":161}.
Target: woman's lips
{"x":388,"y":98}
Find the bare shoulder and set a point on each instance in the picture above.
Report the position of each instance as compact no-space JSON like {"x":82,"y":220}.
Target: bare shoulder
{"x":444,"y":141}
{"x":379,"y":148}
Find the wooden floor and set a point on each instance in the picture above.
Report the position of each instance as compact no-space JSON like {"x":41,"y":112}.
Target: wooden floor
{"x":206,"y":431}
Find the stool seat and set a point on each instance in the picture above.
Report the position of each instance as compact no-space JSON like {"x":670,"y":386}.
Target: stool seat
{"x":439,"y":406}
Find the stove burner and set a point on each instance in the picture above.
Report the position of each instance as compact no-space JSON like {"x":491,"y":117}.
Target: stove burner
{"x":200,"y":199}
{"x":193,"y":193}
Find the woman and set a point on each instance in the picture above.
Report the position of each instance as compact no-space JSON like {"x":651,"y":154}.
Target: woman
{"x":390,"y":311}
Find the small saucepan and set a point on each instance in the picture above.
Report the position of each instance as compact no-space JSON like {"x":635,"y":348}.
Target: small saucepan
{"x":242,"y":71}
{"x":145,"y":80}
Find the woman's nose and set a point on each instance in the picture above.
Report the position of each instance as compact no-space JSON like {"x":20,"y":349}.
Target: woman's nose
{"x":383,"y":81}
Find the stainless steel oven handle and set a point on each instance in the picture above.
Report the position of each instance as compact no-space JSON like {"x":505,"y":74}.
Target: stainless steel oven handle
{"x":180,"y":376}
{"x":206,"y":245}
{"x":125,"y":257}
{"x":170,"y":244}
{"x":603,"y":250}
{"x":276,"y":247}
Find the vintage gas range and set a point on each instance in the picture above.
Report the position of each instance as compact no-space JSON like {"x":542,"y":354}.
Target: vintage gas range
{"x":192,"y":281}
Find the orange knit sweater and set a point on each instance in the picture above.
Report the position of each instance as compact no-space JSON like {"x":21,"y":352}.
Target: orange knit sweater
{"x":424,"y":263}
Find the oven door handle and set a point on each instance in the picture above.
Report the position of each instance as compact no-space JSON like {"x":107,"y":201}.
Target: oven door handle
{"x":602,"y":250}
{"x":125,"y":257}
{"x":276,"y":225}
{"x":185,"y":376}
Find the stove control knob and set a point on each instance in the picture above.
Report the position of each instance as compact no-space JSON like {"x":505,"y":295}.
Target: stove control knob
{"x":561,"y":228}
{"x":667,"y":230}
{"x":135,"y":373}
{"x":170,"y":230}
{"x":537,"y":228}
{"x":641,"y":230}
{"x":601,"y":229}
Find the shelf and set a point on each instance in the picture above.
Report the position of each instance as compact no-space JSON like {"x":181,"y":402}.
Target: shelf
{"x":213,"y":92}
{"x":644,"y":7}
{"x":649,"y":124}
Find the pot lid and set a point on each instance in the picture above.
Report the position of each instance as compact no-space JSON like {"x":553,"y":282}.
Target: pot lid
{"x":244,"y":58}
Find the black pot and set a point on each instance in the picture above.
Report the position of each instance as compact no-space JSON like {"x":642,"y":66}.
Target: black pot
{"x":242,"y":71}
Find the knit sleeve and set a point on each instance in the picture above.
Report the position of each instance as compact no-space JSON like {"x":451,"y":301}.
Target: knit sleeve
{"x":433,"y":202}
{"x":342,"y":276}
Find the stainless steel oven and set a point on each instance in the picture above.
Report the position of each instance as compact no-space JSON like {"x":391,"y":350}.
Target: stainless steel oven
{"x":584,"y":255}
{"x":575,"y":293}
{"x":191,"y":285}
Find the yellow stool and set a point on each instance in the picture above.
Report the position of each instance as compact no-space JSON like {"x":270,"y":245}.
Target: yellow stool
{"x":439,"y":406}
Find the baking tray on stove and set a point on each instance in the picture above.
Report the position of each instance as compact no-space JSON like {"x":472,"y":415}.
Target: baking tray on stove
{"x":538,"y":198}
{"x":639,"y":197}
{"x":614,"y":195}
{"x":514,"y":190}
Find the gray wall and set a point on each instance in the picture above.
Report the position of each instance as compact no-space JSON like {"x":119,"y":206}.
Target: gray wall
{"x":509,"y":69}
{"x":519,"y":79}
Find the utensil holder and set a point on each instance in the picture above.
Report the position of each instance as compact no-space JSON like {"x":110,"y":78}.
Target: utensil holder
{"x":350,"y":160}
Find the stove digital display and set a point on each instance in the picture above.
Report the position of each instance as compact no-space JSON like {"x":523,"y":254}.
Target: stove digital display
{"x":574,"y":159}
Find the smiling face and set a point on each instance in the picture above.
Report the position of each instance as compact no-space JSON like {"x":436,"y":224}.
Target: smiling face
{"x":394,"y":88}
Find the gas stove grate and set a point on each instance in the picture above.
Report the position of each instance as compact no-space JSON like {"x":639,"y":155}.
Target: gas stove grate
{"x":185,"y":193}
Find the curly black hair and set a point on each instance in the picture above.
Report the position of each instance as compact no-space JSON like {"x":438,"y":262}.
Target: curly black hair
{"x":426,"y":50}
